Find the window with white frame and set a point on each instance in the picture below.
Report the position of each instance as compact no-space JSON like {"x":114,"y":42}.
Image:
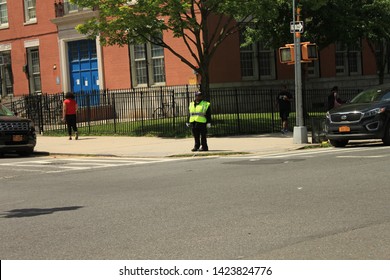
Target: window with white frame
{"x":248,"y":65}
{"x":266,"y":62}
{"x":34,"y":70}
{"x":348,"y":60}
{"x":3,"y":13}
{"x":6,"y":76}
{"x":30,"y":14}
{"x":158,"y":63}
{"x":257,"y":61}
{"x":147,"y":64}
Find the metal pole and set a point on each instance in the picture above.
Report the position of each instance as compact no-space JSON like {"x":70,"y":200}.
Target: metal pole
{"x":300,"y":132}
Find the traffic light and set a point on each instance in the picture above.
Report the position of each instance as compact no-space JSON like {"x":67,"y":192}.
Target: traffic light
{"x":309,"y":51}
{"x":286,"y":54}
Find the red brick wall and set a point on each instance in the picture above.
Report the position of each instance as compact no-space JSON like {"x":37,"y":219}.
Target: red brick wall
{"x":328,"y":62}
{"x":116,"y":66}
{"x":225,"y":65}
{"x":18,"y":33}
{"x":369,"y":60}
{"x":176,"y":71}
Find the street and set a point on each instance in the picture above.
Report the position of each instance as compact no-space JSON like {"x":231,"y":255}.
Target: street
{"x":308,"y":204}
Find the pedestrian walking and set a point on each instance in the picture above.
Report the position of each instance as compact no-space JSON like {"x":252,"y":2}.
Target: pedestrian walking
{"x":69,"y":111}
{"x":284,"y":104}
{"x":199,"y":120}
{"x":334,"y":100}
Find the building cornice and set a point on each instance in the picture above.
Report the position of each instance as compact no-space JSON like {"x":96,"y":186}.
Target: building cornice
{"x":74,"y":18}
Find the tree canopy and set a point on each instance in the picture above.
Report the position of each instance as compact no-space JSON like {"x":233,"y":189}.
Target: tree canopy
{"x":121,"y":22}
{"x":329,"y":21}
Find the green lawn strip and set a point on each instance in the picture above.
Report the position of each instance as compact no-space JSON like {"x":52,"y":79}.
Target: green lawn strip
{"x":222,"y":125}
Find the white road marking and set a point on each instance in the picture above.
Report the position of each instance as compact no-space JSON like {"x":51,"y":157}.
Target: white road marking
{"x":309,"y":153}
{"x":58,"y":165}
{"x":381,"y":156}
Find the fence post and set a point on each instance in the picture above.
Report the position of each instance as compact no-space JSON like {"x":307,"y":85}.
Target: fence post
{"x":272,"y":111}
{"x":113,"y":109}
{"x":40,"y":114}
{"x":142,"y":112}
{"x":173,"y":111}
{"x":88,"y":111}
{"x":237,"y":111}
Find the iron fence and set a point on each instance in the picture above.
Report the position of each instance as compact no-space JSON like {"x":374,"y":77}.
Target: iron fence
{"x":163,"y":111}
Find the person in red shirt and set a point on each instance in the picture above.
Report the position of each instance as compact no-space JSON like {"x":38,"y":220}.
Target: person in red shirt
{"x":69,"y":114}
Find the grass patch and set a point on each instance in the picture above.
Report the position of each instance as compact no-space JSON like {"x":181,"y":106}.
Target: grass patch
{"x":222,"y":125}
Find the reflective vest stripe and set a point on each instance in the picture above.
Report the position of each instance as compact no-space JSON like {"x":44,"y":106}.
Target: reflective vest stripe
{"x":198,"y":113}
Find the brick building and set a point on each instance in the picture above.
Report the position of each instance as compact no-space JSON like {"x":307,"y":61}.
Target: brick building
{"x":41,"y":52}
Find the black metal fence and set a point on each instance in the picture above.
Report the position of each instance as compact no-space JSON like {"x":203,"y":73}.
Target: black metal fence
{"x":163,"y":111}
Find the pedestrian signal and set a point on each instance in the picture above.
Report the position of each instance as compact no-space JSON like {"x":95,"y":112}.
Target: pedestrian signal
{"x":286,"y":55}
{"x":309,"y":51}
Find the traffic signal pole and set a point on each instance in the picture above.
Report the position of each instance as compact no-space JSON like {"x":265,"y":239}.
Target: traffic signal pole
{"x":300,"y":131}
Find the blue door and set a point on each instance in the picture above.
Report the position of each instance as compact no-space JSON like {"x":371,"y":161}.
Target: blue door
{"x":83,"y":68}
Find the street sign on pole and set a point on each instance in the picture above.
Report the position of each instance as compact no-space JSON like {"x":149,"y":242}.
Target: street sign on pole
{"x":296,"y":26}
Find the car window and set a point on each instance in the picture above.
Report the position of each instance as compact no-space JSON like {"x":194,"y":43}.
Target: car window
{"x":386,"y":96}
{"x":371,"y":95}
{"x":4,"y":111}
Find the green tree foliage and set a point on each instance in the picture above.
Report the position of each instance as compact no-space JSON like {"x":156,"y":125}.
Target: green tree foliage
{"x":350,"y":21}
{"x":121,"y":22}
{"x":330,"y":21}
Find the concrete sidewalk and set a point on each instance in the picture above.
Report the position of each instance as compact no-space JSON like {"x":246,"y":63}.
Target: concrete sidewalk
{"x":123,"y":146}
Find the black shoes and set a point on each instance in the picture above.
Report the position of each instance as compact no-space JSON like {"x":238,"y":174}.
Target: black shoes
{"x":200,"y":150}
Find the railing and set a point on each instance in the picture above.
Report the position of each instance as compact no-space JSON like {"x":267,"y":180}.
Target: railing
{"x":163,"y":111}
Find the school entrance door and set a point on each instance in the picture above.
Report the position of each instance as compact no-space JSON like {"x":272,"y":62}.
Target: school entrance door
{"x":83,"y":68}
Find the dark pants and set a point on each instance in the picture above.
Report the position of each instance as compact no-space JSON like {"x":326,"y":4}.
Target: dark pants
{"x":284,"y":115}
{"x":71,"y":123}
{"x":199,"y":131}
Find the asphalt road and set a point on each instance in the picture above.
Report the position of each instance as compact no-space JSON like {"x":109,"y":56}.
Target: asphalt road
{"x":309,"y":204}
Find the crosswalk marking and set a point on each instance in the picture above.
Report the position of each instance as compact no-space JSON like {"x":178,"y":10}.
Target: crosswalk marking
{"x":309,"y":153}
{"x":58,"y":165}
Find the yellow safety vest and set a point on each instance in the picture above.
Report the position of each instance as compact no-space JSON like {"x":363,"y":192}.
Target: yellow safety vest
{"x":198,"y":113}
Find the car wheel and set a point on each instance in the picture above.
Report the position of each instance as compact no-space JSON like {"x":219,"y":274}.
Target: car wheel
{"x":338,"y":143}
{"x":386,"y":136}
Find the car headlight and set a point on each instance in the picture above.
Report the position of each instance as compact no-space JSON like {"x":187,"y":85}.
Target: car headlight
{"x":327,"y":115}
{"x":374,"y":112}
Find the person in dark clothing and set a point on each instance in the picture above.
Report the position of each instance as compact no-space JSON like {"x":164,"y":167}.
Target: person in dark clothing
{"x":334,"y":100}
{"x":199,"y":120}
{"x":284,"y":104}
